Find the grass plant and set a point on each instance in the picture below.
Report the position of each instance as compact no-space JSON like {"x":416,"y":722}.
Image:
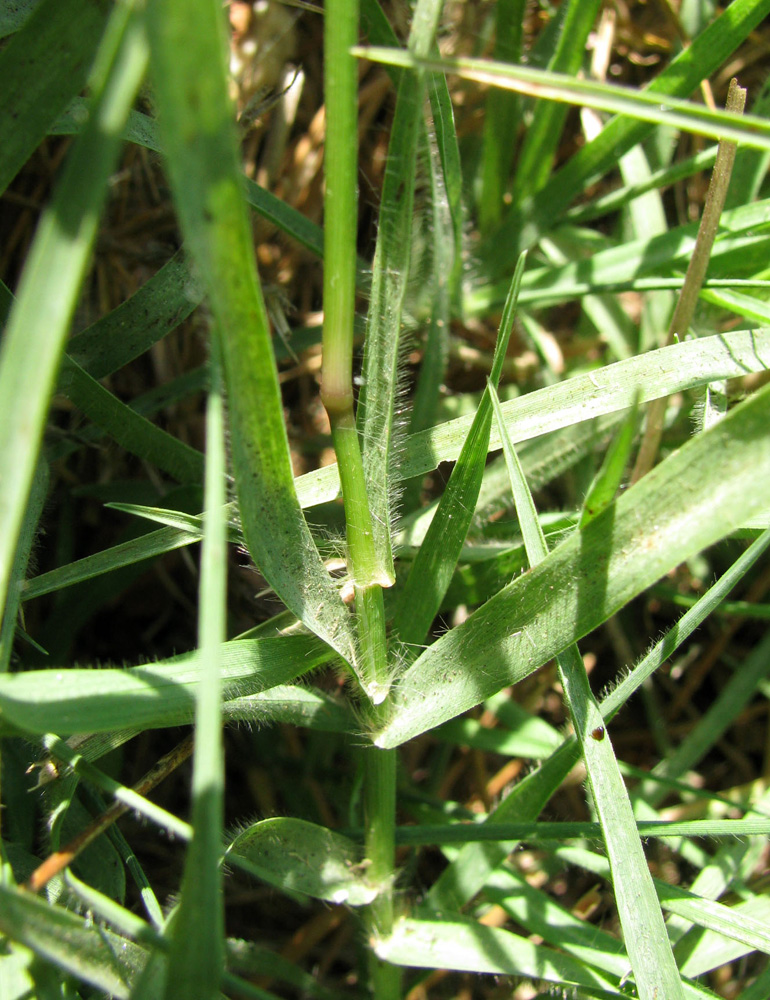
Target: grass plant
{"x":464,"y":704}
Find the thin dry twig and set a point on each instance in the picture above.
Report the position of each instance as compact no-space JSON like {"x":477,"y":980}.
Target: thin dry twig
{"x":693,"y":282}
{"x":59,"y":860}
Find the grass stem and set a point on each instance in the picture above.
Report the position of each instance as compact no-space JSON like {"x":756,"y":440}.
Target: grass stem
{"x":340,"y":204}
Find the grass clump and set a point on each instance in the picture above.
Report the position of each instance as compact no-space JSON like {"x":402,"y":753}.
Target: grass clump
{"x":495,"y":219}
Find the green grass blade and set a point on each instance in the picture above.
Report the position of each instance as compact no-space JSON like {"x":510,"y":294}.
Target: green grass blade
{"x":377,"y":27}
{"x":742,"y":242}
{"x":436,"y":350}
{"x":731,"y":922}
{"x":544,"y":459}
{"x":446,"y":238}
{"x":178,"y":519}
{"x":645,"y":217}
{"x":728,"y":921}
{"x":131,"y":431}
{"x":137,"y":550}
{"x":644,"y":931}
{"x":200,"y":143}
{"x":544,"y":131}
{"x":297,"y":705}
{"x":692,"y":501}
{"x":604,"y":312}
{"x":531,"y":531}
{"x":446,"y":252}
{"x":43,"y":67}
{"x":29,"y":528}
{"x":721,"y":714}
{"x":520,"y":734}
{"x":251,"y":960}
{"x":14,"y":14}
{"x":91,"y":954}
{"x":197,"y":952}
{"x":655,"y":181}
{"x":34,"y":337}
{"x":451,"y":176}
{"x":146,"y":405}
{"x":81,"y":768}
{"x":467,"y":874}
{"x":388,"y":290}
{"x":654,"y":108}
{"x":437,"y":556}
{"x":603,"y":391}
{"x":540,"y":914}
{"x":139,"y":128}
{"x":521,"y":228}
{"x":581,"y":398}
{"x":106,"y":909}
{"x":471,"y":947}
{"x":543,"y":832}
{"x":609,"y":477}
{"x":154,"y":310}
{"x":747,"y":306}
{"x":160,"y":694}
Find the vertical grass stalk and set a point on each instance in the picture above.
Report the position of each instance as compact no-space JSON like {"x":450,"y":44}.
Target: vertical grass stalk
{"x":197,"y":951}
{"x":340,"y":215}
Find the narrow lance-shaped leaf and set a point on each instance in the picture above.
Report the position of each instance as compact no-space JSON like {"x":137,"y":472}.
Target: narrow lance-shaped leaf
{"x":133,"y":432}
{"x":92,"y":954}
{"x":468,"y":872}
{"x":638,"y":264}
{"x":42,"y":68}
{"x":695,"y":497}
{"x":451,"y":170}
{"x":188,"y":59}
{"x":158,"y":694}
{"x":38,"y":323}
{"x":445,"y":246}
{"x":607,"y":480}
{"x":437,"y":557}
{"x":656,"y":108}
{"x":605,"y":390}
{"x":471,"y":947}
{"x":155,"y":309}
{"x":389,"y":282}
{"x":197,"y":953}
{"x":644,"y":931}
{"x":10,"y":614}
